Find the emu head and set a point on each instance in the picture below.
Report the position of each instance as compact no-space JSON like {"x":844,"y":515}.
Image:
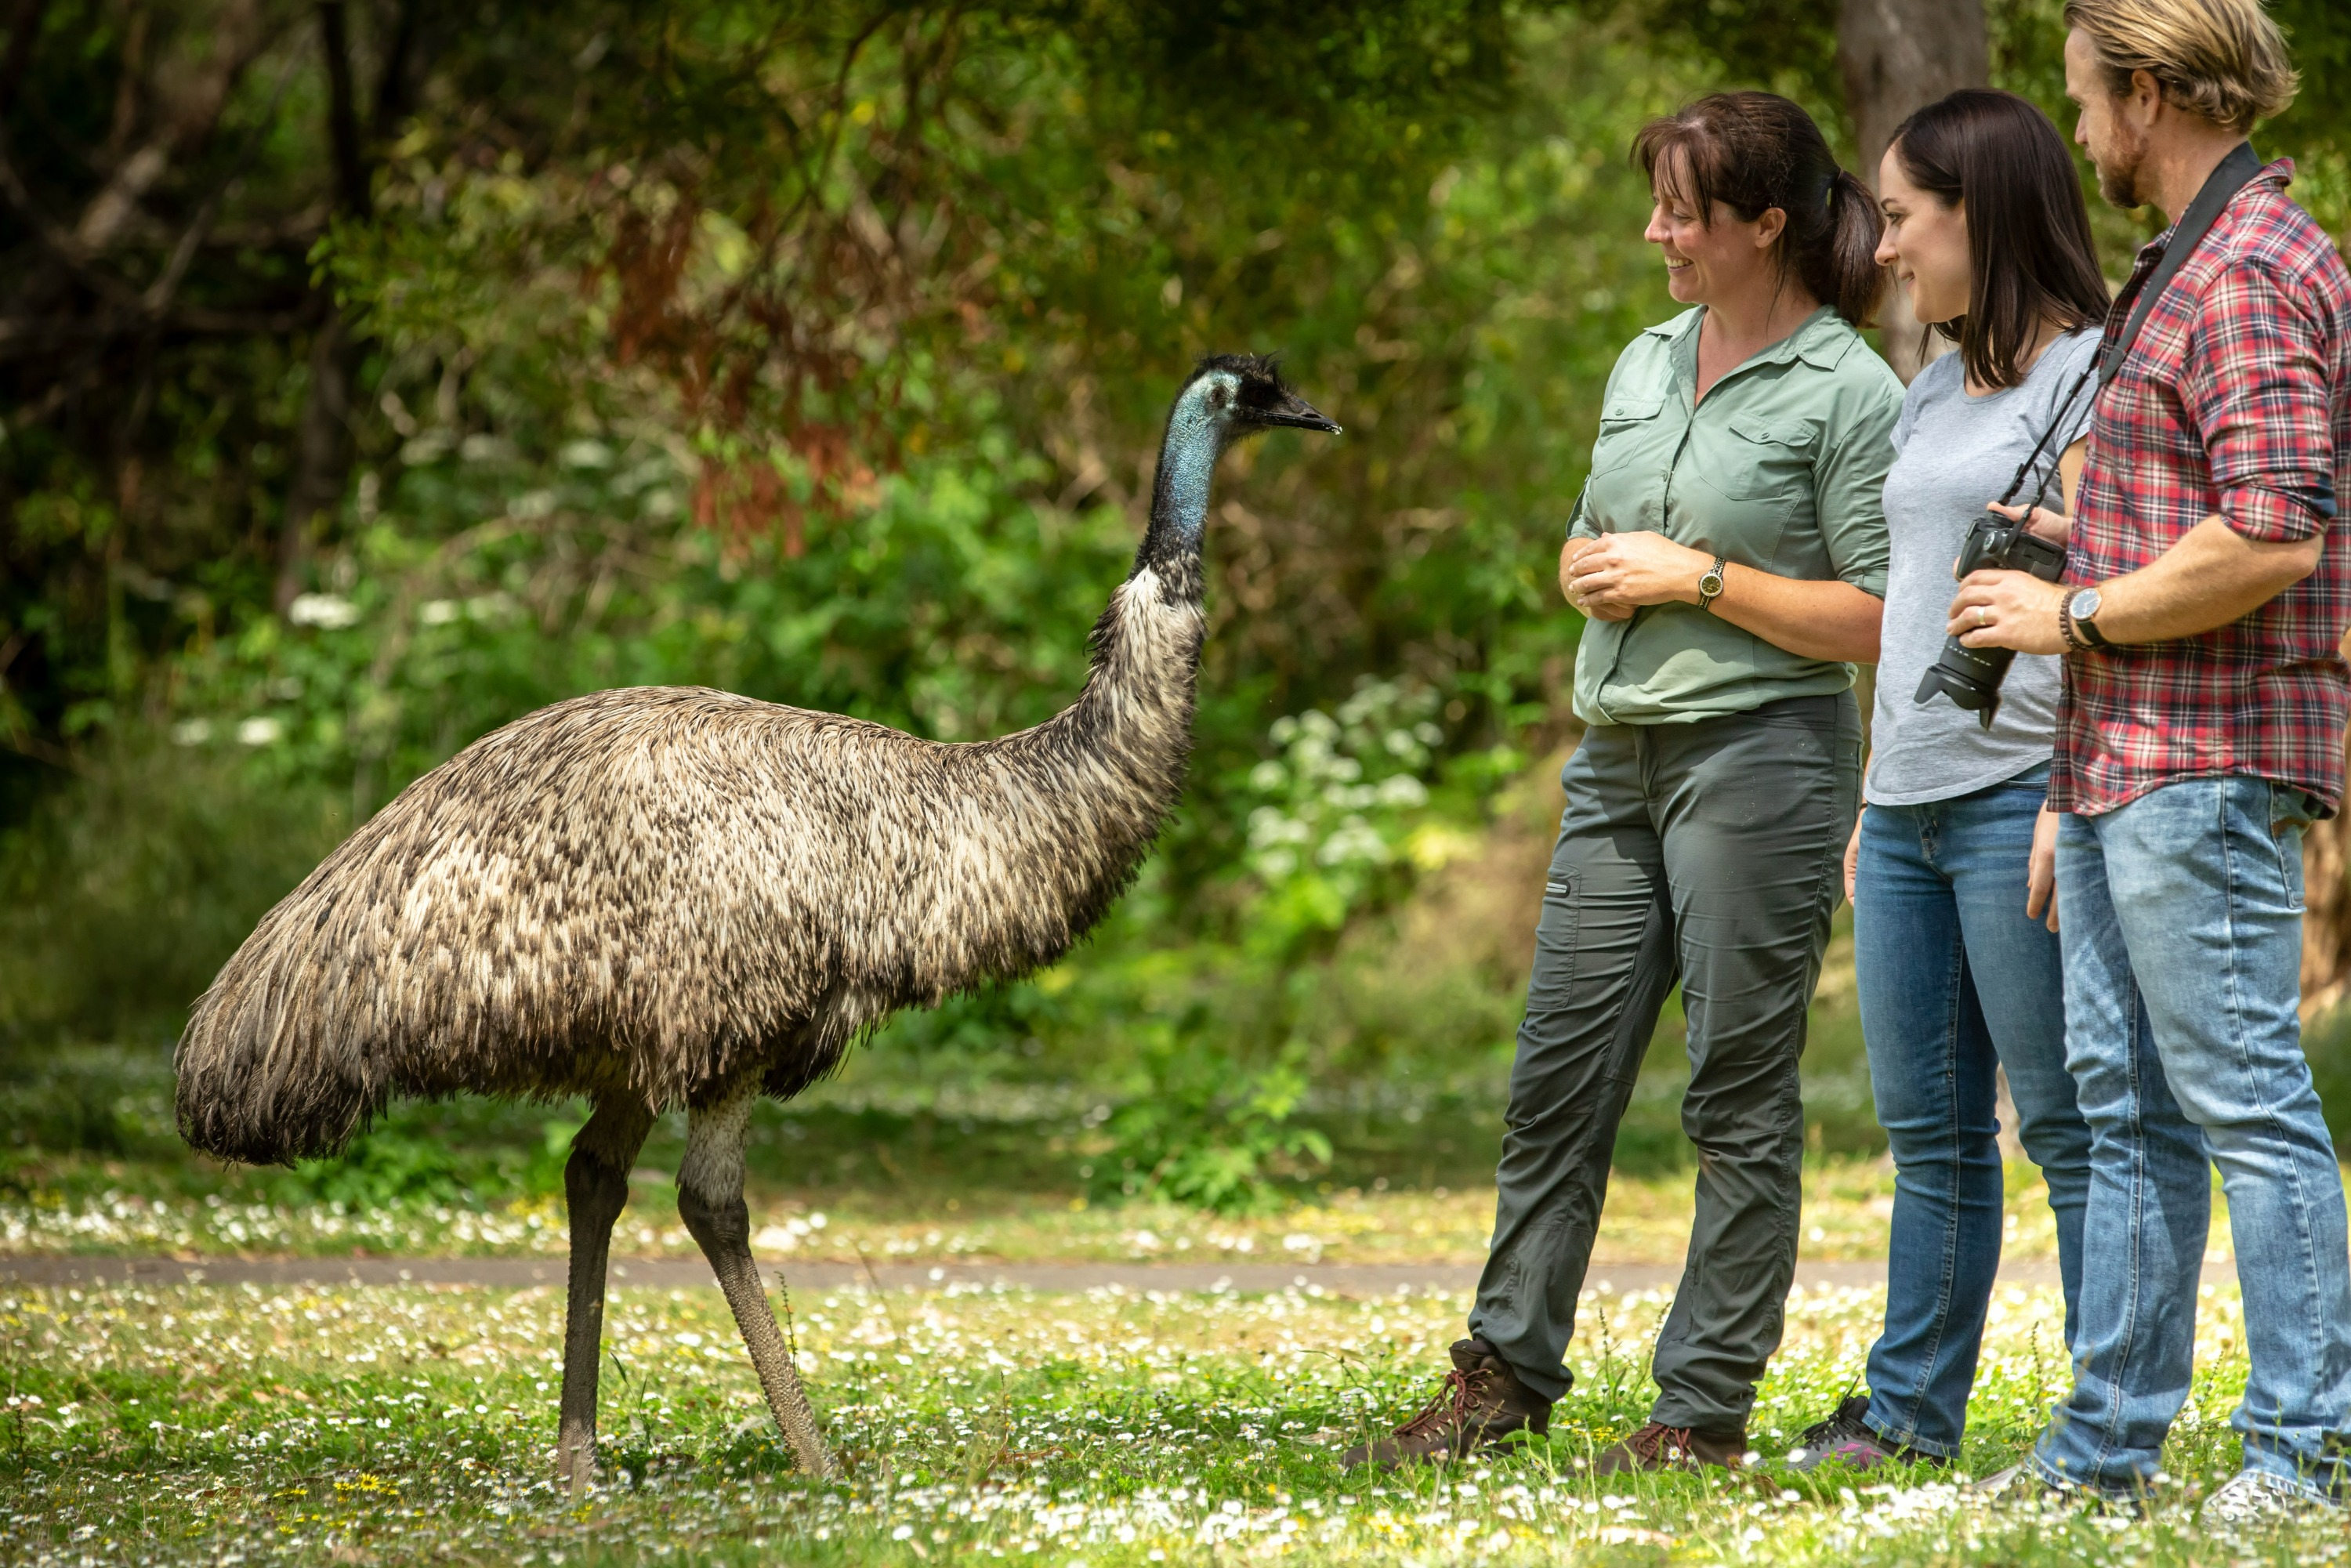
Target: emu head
{"x":1230,"y":396}
{"x":1234,"y":395}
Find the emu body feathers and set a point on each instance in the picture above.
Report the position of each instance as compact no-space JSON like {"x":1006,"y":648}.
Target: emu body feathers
{"x":655,"y":891}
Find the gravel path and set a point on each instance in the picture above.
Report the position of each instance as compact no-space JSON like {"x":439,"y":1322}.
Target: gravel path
{"x":666,"y":1273}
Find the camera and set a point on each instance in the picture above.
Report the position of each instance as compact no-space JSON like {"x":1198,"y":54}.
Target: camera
{"x":1970,"y":677}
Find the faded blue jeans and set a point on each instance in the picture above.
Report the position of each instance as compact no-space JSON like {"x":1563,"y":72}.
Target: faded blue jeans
{"x":1956,"y":979}
{"x":2182,"y":929}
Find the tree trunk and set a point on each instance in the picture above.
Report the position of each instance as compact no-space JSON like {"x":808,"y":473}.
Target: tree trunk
{"x":322,"y":451}
{"x":1896,"y":55}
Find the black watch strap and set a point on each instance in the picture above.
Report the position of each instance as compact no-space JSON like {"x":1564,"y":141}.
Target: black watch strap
{"x":2085,"y":632}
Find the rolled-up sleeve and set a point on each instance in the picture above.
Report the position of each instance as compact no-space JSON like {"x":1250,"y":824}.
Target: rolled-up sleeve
{"x":2254,"y":385}
{"x":1580,"y":524}
{"x":1849,"y":487}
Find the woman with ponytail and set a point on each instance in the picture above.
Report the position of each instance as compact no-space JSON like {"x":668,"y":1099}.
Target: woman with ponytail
{"x":1729,"y":556}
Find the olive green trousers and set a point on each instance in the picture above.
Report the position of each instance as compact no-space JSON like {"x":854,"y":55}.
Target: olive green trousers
{"x":1709,"y":855}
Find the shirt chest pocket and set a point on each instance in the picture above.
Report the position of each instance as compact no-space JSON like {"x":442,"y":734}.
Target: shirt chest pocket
{"x":1630,"y":430}
{"x":1754,"y":457}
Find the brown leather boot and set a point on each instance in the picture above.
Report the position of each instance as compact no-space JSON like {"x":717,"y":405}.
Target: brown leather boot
{"x":1482,"y":1402}
{"x":1657,"y":1446}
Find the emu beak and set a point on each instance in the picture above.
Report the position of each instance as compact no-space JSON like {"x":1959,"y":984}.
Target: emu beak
{"x":1297,"y":413}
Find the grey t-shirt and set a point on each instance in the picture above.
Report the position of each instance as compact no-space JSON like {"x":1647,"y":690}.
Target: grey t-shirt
{"x":1954,"y":453}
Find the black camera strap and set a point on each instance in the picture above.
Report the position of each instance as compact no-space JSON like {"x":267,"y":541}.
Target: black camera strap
{"x":2233,"y":174}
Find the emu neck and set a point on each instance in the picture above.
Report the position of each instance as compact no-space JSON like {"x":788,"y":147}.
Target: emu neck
{"x":1179,"y":497}
{"x":1077,"y":800}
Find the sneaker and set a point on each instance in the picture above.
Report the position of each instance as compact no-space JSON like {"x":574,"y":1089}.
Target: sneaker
{"x":1657,"y":1446}
{"x":1481,"y":1403}
{"x":2022,"y":1486}
{"x":1846,"y":1436}
{"x":2255,"y":1500}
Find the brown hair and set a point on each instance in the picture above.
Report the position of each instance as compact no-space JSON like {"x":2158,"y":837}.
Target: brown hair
{"x":2224,"y":59}
{"x":1756,"y":151}
{"x":2029,"y":245}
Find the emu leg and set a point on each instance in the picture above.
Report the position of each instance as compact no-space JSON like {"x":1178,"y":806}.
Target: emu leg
{"x":710,"y":1201}
{"x":595,"y":1188}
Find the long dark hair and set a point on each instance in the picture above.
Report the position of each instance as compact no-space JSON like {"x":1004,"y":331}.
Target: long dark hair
{"x":2029,"y":245}
{"x":1756,"y":151}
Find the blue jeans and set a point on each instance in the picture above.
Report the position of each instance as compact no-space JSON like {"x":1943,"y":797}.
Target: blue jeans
{"x":1956,"y":978}
{"x":2182,"y":916}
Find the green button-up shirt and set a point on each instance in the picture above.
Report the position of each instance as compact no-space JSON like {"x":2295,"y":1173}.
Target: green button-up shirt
{"x":1781,"y":468}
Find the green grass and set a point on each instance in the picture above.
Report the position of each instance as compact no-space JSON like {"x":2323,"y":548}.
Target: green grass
{"x":340,"y":1425}
{"x":95,"y":1169}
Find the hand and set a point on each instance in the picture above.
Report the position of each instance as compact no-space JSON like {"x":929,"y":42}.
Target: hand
{"x":2041,"y":868}
{"x":1852,"y":855}
{"x":2054,"y":526}
{"x":1568,"y":555}
{"x":2008,"y":609}
{"x":1623,"y":572}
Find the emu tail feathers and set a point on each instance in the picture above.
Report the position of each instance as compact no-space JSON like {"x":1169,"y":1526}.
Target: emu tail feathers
{"x":260,"y":1080}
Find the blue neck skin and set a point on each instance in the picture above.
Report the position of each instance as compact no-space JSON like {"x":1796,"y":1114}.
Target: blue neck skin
{"x":1188,"y":461}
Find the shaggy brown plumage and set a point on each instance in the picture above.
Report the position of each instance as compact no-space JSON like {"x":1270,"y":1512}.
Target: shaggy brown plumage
{"x":675,"y":896}
{"x":648,"y":892}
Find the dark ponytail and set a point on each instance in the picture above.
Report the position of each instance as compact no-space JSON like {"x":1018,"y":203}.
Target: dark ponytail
{"x":1756,"y":151}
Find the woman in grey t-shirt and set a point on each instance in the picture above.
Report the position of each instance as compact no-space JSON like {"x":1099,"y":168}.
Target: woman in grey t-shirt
{"x":1957,"y":972}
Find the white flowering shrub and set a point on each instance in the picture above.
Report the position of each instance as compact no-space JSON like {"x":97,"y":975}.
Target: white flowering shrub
{"x":1338,"y":808}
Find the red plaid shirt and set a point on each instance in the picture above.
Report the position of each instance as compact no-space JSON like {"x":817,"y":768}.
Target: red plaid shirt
{"x":2235,"y":400}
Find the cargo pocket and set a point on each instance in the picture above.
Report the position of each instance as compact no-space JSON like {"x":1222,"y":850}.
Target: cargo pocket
{"x":1554,"y":968}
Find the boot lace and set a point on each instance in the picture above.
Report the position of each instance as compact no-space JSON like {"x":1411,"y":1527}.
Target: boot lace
{"x":1846,"y":1425}
{"x":1660,"y":1444}
{"x":1461,"y":1395}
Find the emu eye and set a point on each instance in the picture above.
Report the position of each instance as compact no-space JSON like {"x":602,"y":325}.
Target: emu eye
{"x":1217,"y":397}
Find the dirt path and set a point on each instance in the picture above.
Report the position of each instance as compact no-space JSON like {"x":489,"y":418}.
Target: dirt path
{"x":669,"y":1273}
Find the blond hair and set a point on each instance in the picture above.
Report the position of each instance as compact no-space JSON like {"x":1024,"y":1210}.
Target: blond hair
{"x":2224,"y":59}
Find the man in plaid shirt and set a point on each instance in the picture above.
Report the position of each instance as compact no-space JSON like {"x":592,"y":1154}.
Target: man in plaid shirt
{"x":2207,"y":590}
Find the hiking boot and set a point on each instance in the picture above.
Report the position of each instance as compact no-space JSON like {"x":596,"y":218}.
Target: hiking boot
{"x":1482,"y":1402}
{"x":1846,"y":1436}
{"x":1657,"y":1446}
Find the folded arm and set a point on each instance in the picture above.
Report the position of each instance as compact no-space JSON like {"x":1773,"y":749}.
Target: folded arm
{"x":1610,"y":577}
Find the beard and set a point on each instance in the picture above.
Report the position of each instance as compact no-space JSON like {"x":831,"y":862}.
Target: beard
{"x":2121,"y":167}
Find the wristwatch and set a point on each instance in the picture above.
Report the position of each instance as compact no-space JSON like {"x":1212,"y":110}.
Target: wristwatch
{"x":2077,"y":619}
{"x":1710,"y":585}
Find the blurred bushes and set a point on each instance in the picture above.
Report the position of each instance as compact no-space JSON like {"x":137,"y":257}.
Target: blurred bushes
{"x":123,"y":893}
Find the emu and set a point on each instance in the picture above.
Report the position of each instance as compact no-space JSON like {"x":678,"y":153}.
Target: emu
{"x":669,"y":897}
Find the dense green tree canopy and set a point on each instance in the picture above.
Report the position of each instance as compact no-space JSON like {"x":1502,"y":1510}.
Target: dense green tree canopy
{"x":374,"y":370}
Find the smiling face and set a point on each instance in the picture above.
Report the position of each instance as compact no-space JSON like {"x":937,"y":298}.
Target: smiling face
{"x":2113,"y":128}
{"x":1710,"y":257}
{"x":1925,"y":242}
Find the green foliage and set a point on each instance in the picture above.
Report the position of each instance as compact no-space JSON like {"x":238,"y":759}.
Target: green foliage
{"x":1337,"y":803}
{"x":1209,"y":1131}
{"x":120,"y":897}
{"x":413,"y":1159}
